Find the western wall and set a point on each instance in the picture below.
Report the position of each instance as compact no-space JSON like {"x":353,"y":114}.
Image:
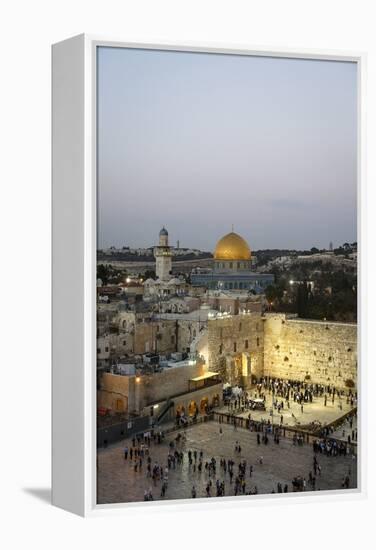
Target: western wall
{"x":246,"y":346}
{"x":317,"y":351}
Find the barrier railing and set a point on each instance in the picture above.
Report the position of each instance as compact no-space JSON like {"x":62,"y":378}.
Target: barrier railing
{"x":285,"y":431}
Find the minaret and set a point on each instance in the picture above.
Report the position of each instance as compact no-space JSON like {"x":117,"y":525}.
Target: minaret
{"x":163,"y":257}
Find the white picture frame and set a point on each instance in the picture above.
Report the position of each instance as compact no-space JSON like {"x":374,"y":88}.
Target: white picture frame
{"x":74,"y":266}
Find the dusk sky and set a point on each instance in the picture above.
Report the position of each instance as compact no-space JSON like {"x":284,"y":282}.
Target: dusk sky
{"x":198,"y":142}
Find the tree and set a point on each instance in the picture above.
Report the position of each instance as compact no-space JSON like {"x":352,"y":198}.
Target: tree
{"x":302,"y":299}
{"x":149,"y":274}
{"x":103,"y":273}
{"x":271,"y":293}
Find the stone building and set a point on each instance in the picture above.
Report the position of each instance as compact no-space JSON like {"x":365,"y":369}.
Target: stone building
{"x":103,"y":351}
{"x":164,"y":288}
{"x":234,"y":302}
{"x":188,"y":387}
{"x":143,"y":333}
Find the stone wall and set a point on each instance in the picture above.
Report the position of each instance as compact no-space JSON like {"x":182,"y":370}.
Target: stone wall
{"x":235,"y":346}
{"x":138,"y":392}
{"x":138,"y":334}
{"x":296,"y":349}
{"x":188,"y":330}
{"x":116,"y":392}
{"x":160,"y":386}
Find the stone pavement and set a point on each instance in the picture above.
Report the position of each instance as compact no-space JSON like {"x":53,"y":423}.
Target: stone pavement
{"x":315,"y":411}
{"x":118,"y":482}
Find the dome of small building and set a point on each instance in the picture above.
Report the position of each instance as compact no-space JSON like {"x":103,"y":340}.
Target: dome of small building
{"x":163,"y":231}
{"x":232,"y":247}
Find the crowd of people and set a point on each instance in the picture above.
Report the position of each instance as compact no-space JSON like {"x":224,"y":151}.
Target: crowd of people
{"x":330,"y":447}
{"x":298,"y":391}
{"x":211,"y":473}
{"x":223,"y":476}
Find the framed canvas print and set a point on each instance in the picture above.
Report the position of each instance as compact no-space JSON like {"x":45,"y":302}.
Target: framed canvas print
{"x":207,"y":238}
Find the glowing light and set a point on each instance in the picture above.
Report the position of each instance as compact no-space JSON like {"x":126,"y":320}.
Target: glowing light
{"x":128,"y":280}
{"x":291,"y":282}
{"x":138,"y":379}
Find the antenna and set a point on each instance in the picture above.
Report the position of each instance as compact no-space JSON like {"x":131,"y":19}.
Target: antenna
{"x":232,"y":227}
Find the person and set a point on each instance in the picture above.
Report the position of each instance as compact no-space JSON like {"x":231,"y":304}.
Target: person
{"x":125,"y":453}
{"x":193,"y":492}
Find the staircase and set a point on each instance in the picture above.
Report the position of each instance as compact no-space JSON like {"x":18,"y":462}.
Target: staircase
{"x":169,"y":403}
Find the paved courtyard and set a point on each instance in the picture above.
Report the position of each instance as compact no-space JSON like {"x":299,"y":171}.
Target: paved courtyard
{"x":117,"y":481}
{"x":294,"y":417}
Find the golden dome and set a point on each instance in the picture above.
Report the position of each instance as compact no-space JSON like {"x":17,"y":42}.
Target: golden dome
{"x":232,"y":247}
